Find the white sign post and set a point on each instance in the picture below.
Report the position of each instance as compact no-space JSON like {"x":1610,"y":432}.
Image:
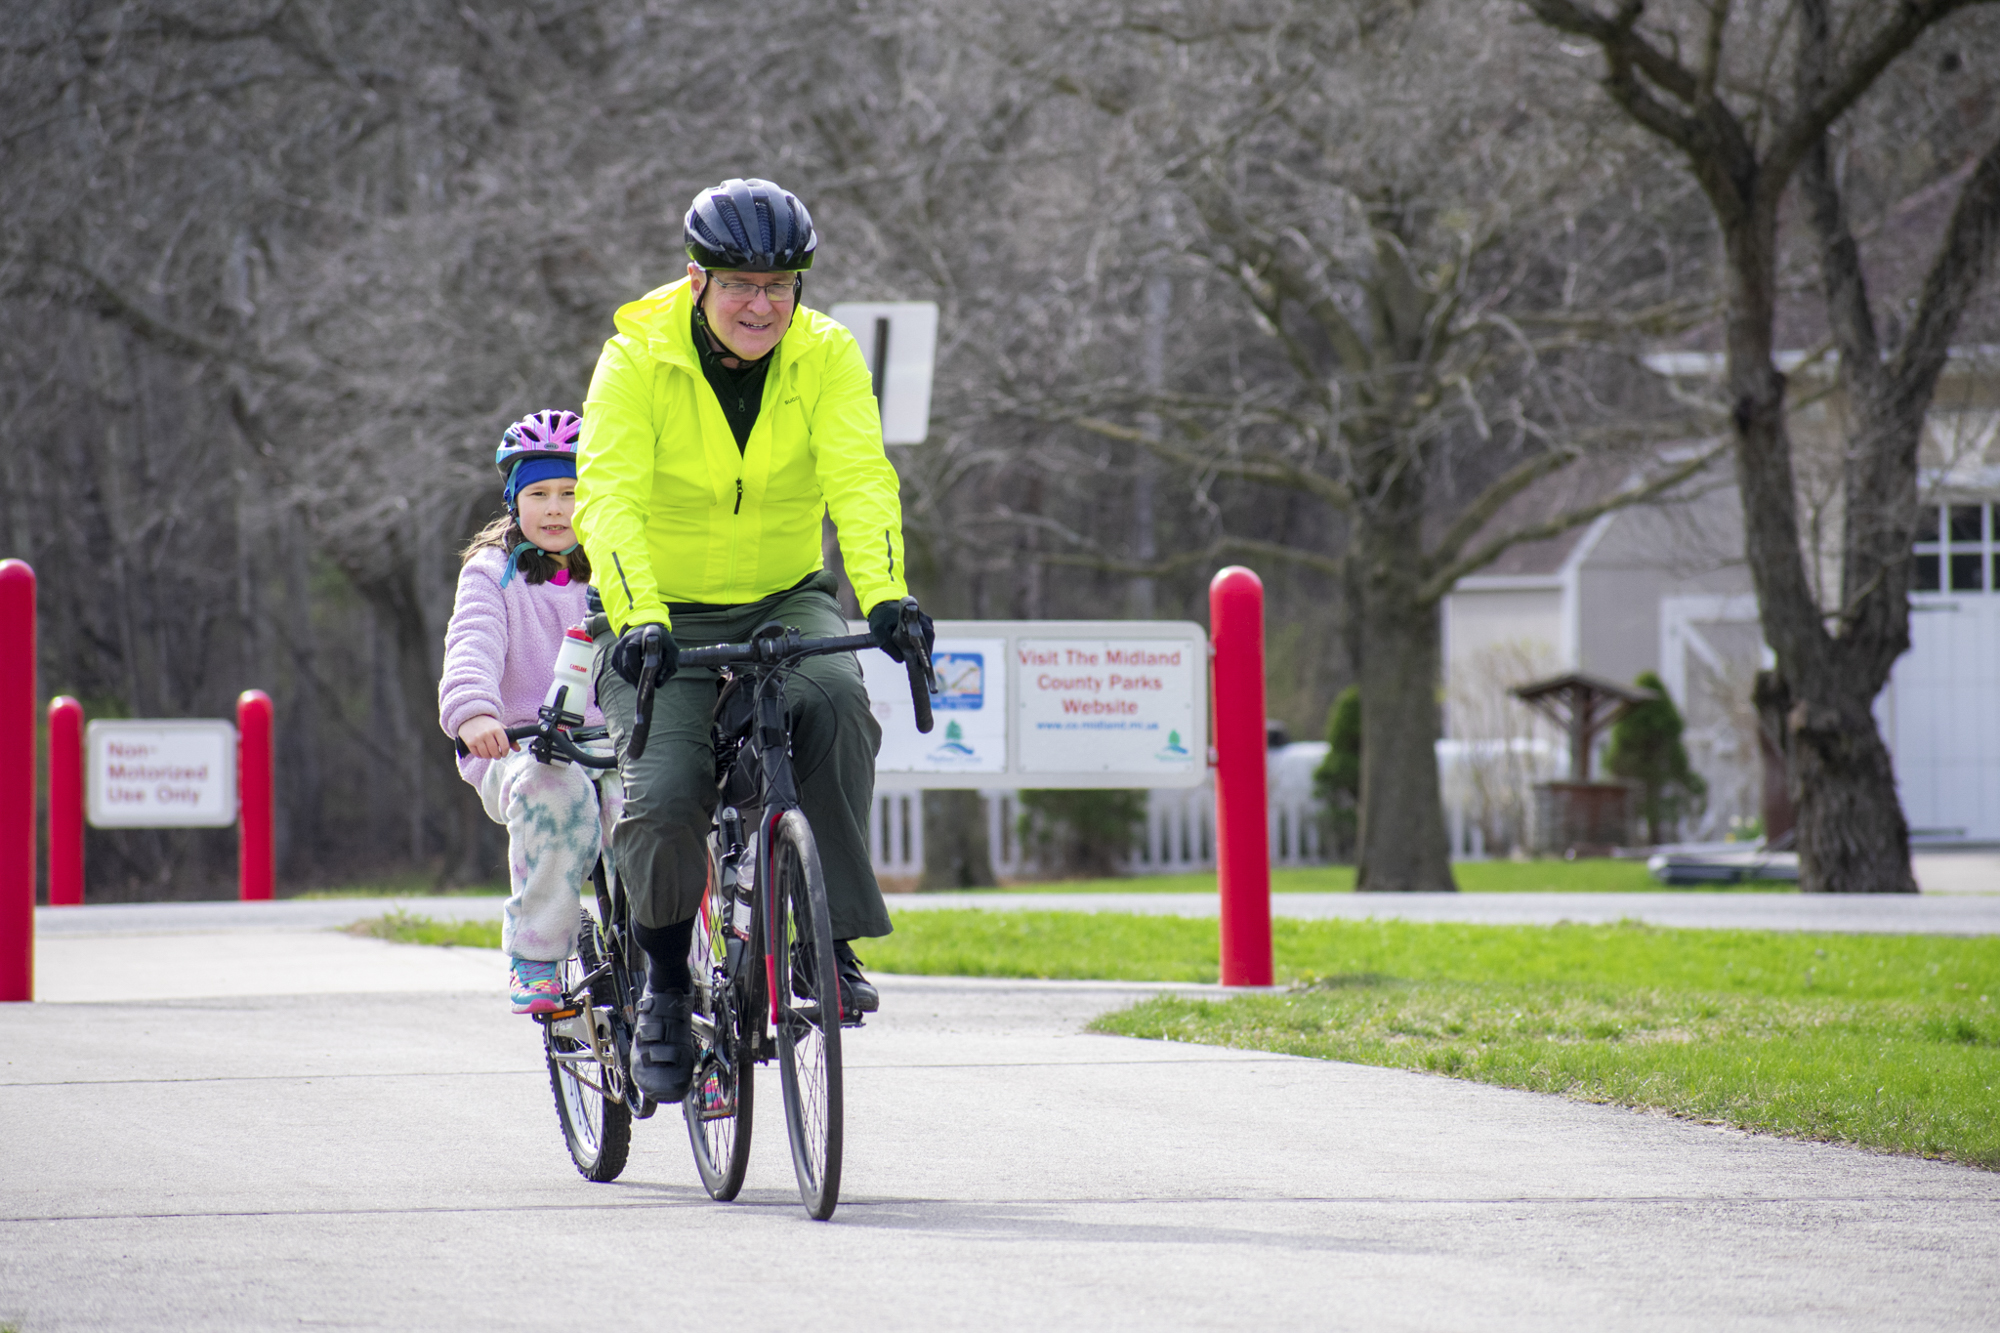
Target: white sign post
{"x":899,"y":342}
{"x":160,"y":774}
{"x":1049,"y":703}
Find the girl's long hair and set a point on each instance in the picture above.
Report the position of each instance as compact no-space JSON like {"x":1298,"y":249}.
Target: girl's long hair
{"x":535,"y":564}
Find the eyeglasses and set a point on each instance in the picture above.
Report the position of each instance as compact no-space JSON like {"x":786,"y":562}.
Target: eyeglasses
{"x":777,"y":293}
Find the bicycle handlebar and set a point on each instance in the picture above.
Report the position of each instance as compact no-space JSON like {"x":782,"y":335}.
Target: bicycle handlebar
{"x":563,"y":743}
{"x":550,"y":741}
{"x":773,"y":649}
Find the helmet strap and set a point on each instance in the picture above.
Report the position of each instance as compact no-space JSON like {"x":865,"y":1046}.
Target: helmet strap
{"x":522,"y":548}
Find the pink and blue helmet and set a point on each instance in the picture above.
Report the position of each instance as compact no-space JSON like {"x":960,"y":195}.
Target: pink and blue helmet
{"x":538,"y":446}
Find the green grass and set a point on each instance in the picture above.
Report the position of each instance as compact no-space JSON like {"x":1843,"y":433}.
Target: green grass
{"x":406,"y":886}
{"x":1583,"y":876}
{"x":400,"y":927}
{"x":1887,"y":1041}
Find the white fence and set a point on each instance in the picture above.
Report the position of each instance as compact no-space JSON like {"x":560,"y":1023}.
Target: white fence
{"x":1179,"y":834}
{"x":1481,"y":780}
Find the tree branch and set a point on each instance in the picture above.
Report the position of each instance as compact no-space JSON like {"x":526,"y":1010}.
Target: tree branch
{"x":1841,"y":278}
{"x":1490,"y":501}
{"x":1333,"y":566}
{"x":1623,"y":50}
{"x":1964,"y":259}
{"x":1841,"y":89}
{"x":1264,"y":470}
{"x":1437,"y":585}
{"x":156,"y":329}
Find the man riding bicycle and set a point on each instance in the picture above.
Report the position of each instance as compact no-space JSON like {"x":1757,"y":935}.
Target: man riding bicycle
{"x":722,"y":421}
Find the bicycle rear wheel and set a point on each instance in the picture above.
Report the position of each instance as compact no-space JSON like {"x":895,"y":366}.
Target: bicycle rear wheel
{"x":718,"y":1107}
{"x":597,"y":1128}
{"x":801,"y":935}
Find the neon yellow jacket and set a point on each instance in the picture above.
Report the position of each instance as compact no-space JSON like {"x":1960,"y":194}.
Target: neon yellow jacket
{"x":667,"y":506}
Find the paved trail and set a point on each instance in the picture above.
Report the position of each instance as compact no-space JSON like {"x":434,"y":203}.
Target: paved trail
{"x":358,"y":1135}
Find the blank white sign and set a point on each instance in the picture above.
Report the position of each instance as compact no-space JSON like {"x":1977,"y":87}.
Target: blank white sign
{"x":161,"y":774}
{"x":907,"y":332}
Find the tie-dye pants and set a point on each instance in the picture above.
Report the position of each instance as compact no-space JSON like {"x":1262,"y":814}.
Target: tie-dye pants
{"x":558,"y":823}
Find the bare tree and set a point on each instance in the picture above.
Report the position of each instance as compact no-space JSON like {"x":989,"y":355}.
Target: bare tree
{"x":275,"y":274}
{"x":1420,"y":271}
{"x":1752,"y":96}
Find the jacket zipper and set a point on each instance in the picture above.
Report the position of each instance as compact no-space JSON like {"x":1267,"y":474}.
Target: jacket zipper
{"x":739,"y":495}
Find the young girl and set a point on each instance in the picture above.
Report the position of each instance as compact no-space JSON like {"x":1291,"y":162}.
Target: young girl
{"x":523,"y":583}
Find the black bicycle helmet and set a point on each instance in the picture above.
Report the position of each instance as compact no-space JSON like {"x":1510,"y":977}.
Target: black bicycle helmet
{"x":750,"y":225}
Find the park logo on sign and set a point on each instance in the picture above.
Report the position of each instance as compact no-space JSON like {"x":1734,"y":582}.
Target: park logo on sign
{"x":1049,"y":703}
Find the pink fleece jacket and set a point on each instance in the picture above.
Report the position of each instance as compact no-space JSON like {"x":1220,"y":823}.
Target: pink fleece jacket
{"x":500,"y":649}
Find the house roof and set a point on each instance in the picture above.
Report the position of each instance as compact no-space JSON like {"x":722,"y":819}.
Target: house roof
{"x":1587,"y":482}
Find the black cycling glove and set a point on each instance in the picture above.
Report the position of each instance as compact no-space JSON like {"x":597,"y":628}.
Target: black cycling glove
{"x":885,"y":618}
{"x":628,"y":655}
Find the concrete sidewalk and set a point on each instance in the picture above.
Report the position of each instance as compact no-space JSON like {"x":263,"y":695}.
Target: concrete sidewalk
{"x":327,"y":1153}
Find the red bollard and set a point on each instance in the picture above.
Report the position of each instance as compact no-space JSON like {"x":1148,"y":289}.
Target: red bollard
{"x":17,"y":781}
{"x":65,"y":802}
{"x":1242,"y":826}
{"x":256,"y":799}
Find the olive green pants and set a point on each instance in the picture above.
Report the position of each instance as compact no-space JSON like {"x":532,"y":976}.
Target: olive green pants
{"x":660,"y":842}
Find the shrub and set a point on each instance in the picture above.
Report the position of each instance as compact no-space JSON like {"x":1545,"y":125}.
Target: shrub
{"x":1081,"y":834}
{"x":1646,"y":747}
{"x":1337,"y":780}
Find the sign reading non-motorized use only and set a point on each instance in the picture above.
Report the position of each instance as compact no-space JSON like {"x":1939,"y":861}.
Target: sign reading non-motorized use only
{"x":160,"y":773}
{"x":1050,"y":703}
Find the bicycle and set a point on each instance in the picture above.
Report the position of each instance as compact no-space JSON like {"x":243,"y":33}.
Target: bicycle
{"x":762,"y":945}
{"x":587,"y":1046}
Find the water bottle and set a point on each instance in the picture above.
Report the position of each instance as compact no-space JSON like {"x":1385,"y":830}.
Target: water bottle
{"x":573,"y":663}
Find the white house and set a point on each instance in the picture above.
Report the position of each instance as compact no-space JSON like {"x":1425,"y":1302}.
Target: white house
{"x":1666,"y":590}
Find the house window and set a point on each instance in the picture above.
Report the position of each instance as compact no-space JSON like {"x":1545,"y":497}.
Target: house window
{"x":1956,"y":549}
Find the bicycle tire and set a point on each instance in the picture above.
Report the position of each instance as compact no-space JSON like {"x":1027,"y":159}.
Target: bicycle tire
{"x":800,"y":936}
{"x":721,"y":1143}
{"x":597,"y":1130}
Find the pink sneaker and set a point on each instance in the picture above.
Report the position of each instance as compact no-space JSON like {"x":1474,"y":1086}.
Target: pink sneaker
{"x":537,"y":986}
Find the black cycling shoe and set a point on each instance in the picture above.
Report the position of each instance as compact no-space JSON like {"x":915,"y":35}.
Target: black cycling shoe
{"x":663,"y":1047}
{"x":857,"y":993}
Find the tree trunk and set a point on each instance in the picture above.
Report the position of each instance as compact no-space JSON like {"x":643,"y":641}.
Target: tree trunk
{"x":1402,"y":844}
{"x":955,"y":852}
{"x":1851,"y":834}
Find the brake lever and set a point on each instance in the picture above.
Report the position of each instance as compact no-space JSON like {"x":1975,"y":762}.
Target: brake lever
{"x":917,"y":664}
{"x":642,"y":711}
{"x":913,"y":641}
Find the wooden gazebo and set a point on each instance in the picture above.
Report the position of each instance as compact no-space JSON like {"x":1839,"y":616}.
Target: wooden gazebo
{"x":1579,"y":815}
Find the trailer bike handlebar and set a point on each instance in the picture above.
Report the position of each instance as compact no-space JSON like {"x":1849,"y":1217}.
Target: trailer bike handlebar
{"x":551,"y":739}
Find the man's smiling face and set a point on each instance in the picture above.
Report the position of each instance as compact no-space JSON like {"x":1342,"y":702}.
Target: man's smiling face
{"x":747,"y":312}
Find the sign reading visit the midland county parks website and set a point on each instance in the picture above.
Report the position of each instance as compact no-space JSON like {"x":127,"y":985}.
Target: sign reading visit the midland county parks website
{"x":160,"y":773}
{"x":1049,"y":703}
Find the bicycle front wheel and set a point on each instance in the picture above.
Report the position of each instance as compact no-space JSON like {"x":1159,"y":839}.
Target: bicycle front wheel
{"x":808,"y":1012}
{"x":718,"y":1106}
{"x":597,"y":1128}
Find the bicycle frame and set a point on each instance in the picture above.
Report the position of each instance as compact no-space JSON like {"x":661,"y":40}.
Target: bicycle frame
{"x":764,"y":663}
